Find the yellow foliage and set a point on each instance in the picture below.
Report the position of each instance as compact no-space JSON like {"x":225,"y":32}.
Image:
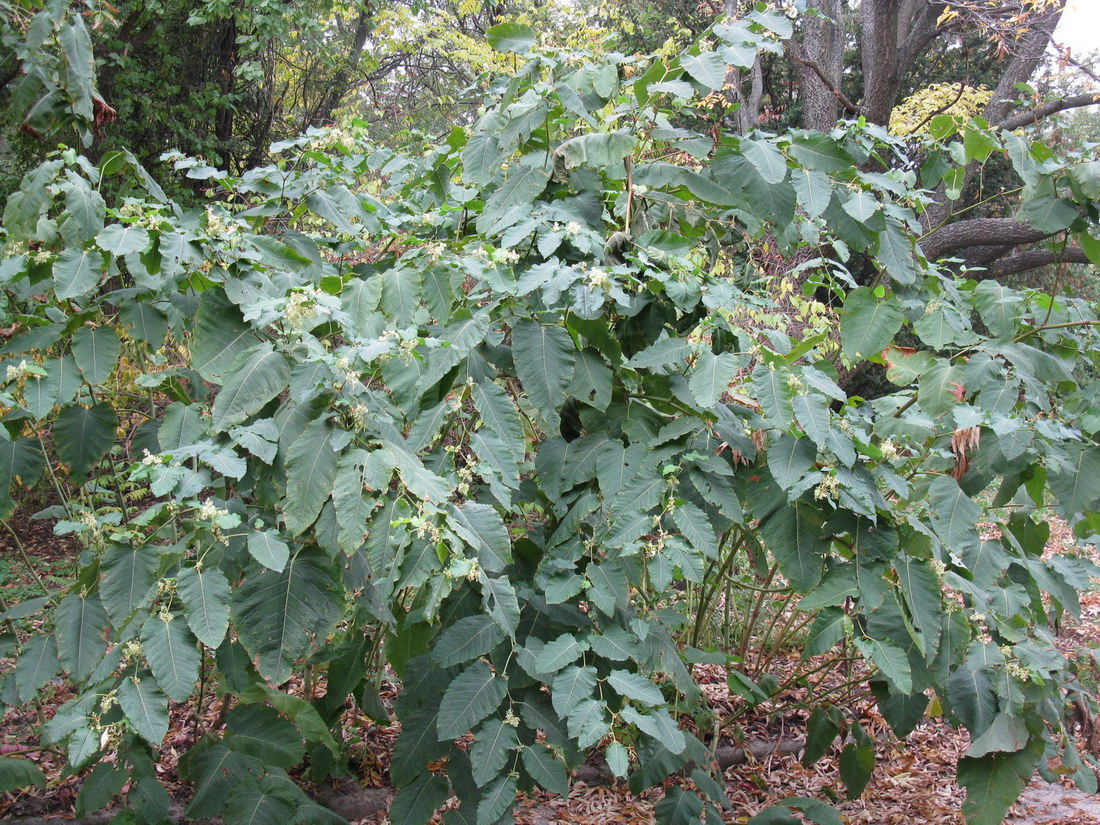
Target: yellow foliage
{"x":955,"y":99}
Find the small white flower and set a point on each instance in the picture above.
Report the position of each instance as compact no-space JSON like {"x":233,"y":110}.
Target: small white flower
{"x":360,"y":417}
{"x":827,"y":488}
{"x":504,"y":256}
{"x":17,"y":372}
{"x":598,"y":278}
{"x":573,"y":229}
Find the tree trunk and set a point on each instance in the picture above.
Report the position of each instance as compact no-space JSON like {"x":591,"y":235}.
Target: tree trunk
{"x":341,"y":83}
{"x":879,"y":53}
{"x":822,"y":44}
{"x":1026,"y":56}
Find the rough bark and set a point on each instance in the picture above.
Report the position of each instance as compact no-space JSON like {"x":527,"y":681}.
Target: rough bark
{"x":879,"y":53}
{"x":819,"y":63}
{"x":1027,"y":54}
{"x":341,"y":83}
{"x":1033,"y":259}
{"x":895,"y":33}
{"x":1052,"y":107}
{"x":979,"y":232}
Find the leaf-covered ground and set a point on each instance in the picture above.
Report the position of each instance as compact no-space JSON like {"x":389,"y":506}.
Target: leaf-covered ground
{"x":913,"y":780}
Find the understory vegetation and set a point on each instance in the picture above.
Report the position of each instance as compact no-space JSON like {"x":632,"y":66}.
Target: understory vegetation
{"x":536,"y":416}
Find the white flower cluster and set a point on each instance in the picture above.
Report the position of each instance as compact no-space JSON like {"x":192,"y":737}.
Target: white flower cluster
{"x":827,"y":488}
{"x":17,"y":373}
{"x":360,"y":417}
{"x":217,"y":225}
{"x":141,"y":216}
{"x":504,"y":256}
{"x":598,"y":278}
{"x":151,"y":460}
{"x":210,"y":511}
{"x":303,"y":310}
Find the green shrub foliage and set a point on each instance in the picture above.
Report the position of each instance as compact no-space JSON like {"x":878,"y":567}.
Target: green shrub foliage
{"x":477,"y":411}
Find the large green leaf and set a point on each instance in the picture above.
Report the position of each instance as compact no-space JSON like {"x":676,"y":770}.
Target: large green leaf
{"x":100,"y":788}
{"x":172,"y":655}
{"x":81,"y":627}
{"x":416,"y":745}
{"x":85,"y":209}
{"x":1078,"y":485}
{"x":679,"y":807}
{"x":793,"y":534}
{"x":635,"y":686}
{"x":660,"y":725}
{"x":146,"y":708}
{"x":268,"y":548}
{"x":122,"y":239}
{"x":813,"y":189}
{"x":493,"y":742}
{"x":522,"y":186}
{"x":1050,"y":214}
{"x":40,"y":393}
{"x":707,"y":68}
{"x":895,"y":254}
{"x":357,"y":475}
{"x":21,"y":459}
{"x":16,"y":774}
{"x":278,"y":615}
{"x":546,"y":769}
{"x":972,"y":697}
{"x":181,"y":426}
{"x":497,"y":800}
{"x":482,"y":527}
{"x":76,"y":272}
{"x":867,"y":324}
{"x":769,"y":162}
{"x":205,"y":597}
{"x":499,"y":413}
{"x":954,"y":514}
{"x":597,"y":150}
{"x":250,"y":804}
{"x":415,"y":803}
{"x":473,"y":695}
{"x":255,"y":378}
{"x":544,"y":357}
{"x":219,"y":336}
{"x":96,"y":353}
{"x":146,"y":322}
{"x":890,"y":659}
{"x":773,"y":388}
{"x":36,"y":666}
{"x":466,"y":639}
{"x":128,"y":576}
{"x":570,"y":687}
{"x":923,"y":595}
{"x":711,"y":376}
{"x":261,"y":732}
{"x":480,"y":158}
{"x":998,"y":307}
{"x":815,"y":150}
{"x":994,"y":782}
{"x":511,"y":37}
{"x":83,"y":435}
